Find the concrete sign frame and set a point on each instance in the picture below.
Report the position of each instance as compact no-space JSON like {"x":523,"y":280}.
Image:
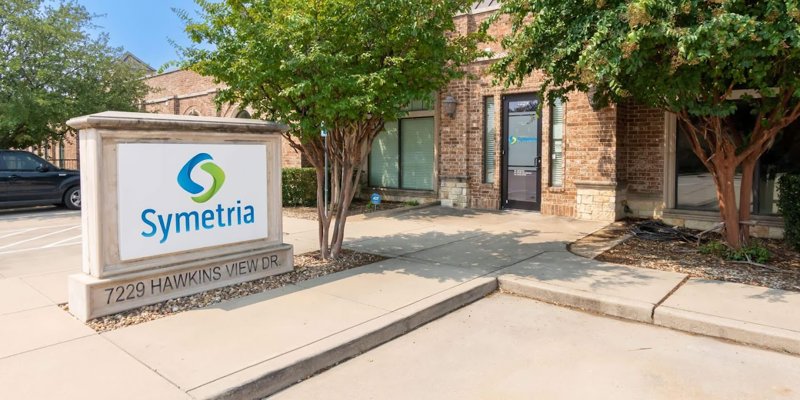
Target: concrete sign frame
{"x":251,"y":250}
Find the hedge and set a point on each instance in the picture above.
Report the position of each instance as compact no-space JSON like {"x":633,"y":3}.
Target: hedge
{"x":789,"y":206}
{"x":299,"y":187}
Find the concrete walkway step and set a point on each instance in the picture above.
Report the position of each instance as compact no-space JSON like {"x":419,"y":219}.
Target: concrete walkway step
{"x":255,"y":346}
{"x":566,"y":279}
{"x":754,"y":315}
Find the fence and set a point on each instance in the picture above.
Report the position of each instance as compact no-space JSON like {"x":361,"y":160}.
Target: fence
{"x":66,"y":163}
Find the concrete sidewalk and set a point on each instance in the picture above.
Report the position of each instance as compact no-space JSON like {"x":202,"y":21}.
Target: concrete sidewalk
{"x":442,"y":259}
{"x":254,"y":346}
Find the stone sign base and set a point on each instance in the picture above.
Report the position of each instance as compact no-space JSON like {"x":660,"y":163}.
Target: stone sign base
{"x":91,"y":297}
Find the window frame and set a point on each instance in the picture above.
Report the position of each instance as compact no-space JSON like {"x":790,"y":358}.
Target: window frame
{"x":410,"y":115}
{"x":485,"y":178}
{"x":551,"y":145}
{"x":670,"y":187}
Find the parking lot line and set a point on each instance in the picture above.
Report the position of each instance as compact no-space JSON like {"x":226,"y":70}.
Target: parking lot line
{"x":36,"y":248}
{"x":14,"y":233}
{"x":55,"y":244}
{"x":17,"y":231}
{"x":39,"y":237}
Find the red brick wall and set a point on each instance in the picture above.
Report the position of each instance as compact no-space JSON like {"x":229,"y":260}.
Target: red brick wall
{"x":184,"y":92}
{"x":590,"y":144}
{"x":643,"y":148}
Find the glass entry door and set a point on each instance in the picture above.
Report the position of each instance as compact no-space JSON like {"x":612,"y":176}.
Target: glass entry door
{"x":521,"y":152}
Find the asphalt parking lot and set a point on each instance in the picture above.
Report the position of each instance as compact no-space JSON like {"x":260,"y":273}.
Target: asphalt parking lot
{"x":39,"y":248}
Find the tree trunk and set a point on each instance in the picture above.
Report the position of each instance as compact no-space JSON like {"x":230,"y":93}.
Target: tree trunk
{"x":726,"y":193}
{"x":746,"y":197}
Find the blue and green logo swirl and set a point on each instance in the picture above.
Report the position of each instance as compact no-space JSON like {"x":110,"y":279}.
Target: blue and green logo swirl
{"x":186,"y":182}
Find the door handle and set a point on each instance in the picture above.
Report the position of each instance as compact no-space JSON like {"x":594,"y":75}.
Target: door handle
{"x":538,"y":162}
{"x":13,"y":177}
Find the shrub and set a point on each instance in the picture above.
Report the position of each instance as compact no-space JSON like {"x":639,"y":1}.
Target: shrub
{"x":754,"y":251}
{"x":789,"y":206}
{"x":715,"y":247}
{"x":299,"y":186}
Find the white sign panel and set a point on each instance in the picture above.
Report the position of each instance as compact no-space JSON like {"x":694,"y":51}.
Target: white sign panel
{"x":179,"y":197}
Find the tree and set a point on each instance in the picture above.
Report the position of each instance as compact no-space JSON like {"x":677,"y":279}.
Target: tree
{"x":52,"y":70}
{"x":690,"y":58}
{"x":352,"y":64}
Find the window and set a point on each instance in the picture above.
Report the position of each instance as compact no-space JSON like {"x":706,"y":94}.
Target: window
{"x":243,"y":114}
{"x":402,"y":155}
{"x":384,"y":159}
{"x":557,"y":144}
{"x":695,"y":188}
{"x":489,"y":140}
{"x":13,"y":161}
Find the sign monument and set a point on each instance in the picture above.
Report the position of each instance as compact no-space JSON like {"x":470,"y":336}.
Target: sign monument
{"x":175,"y":205}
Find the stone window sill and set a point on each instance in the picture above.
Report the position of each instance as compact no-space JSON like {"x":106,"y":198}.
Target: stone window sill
{"x":555,"y":189}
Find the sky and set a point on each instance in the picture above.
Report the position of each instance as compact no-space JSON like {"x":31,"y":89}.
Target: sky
{"x":142,"y":27}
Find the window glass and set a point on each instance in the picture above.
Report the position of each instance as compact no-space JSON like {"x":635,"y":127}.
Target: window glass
{"x":20,"y":162}
{"x":424,"y":104}
{"x":695,"y":186}
{"x":695,"y":189}
{"x":384,"y":164}
{"x":243,"y":114}
{"x":488,"y":140}
{"x":416,"y":153}
{"x":782,"y":158}
{"x":557,"y":145}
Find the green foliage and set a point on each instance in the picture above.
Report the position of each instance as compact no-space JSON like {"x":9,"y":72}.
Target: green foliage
{"x":672,"y":54}
{"x":789,"y":206}
{"x":299,"y":186}
{"x":302,"y":62}
{"x":754,"y":251}
{"x":52,"y":70}
{"x":751,"y":252}
{"x":411,"y":203}
{"x":352,"y":64}
{"x":691,"y":58}
{"x":714,"y":247}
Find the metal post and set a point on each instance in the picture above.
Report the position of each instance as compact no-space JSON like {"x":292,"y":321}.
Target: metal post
{"x":324,"y":134}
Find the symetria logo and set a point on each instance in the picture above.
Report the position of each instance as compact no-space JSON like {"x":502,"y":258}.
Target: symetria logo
{"x":196,"y":220}
{"x":189,"y":185}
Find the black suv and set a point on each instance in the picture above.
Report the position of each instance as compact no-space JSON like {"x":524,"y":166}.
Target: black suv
{"x":28,"y":180}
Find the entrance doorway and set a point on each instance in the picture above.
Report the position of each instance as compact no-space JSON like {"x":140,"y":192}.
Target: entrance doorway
{"x":522,"y":149}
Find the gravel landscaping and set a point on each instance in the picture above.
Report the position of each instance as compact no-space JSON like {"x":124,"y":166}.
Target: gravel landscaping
{"x":307,"y":266}
{"x":782,"y":271}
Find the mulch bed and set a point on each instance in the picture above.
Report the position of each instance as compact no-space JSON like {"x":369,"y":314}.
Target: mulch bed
{"x":356,"y":207}
{"x":307,"y":266}
{"x":781,"y":272}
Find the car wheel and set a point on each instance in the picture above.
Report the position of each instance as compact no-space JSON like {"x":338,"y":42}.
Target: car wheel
{"x":72,"y":198}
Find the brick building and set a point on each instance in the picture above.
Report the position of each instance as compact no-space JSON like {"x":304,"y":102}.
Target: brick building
{"x":184,"y":92}
{"x":477,"y":145}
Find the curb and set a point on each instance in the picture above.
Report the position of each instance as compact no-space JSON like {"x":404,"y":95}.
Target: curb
{"x":768,"y":337}
{"x":599,"y":303}
{"x":272,"y":376}
{"x":747,"y":333}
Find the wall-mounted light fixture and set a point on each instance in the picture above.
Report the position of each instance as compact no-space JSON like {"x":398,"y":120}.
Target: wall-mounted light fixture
{"x":449,"y":106}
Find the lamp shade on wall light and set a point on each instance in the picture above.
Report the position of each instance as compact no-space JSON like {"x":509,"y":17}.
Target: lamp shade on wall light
{"x":449,"y":106}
